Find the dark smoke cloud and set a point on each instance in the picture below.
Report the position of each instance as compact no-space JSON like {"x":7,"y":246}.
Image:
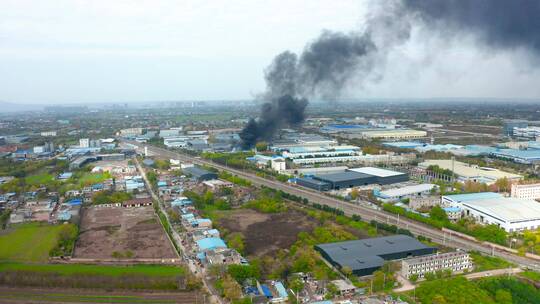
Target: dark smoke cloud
{"x":331,"y":62}
{"x":498,"y":24}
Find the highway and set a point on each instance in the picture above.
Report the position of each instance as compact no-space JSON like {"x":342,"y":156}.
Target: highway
{"x":348,"y":208}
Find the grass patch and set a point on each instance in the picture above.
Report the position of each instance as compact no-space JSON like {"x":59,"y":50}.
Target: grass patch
{"x":88,"y":179}
{"x":483,"y":263}
{"x":533,"y":275}
{"x":29,"y":242}
{"x":80,"y":269}
{"x":39,"y":179}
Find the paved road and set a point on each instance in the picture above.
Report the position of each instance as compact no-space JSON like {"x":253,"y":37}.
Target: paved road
{"x":349,"y":209}
{"x":493,"y":273}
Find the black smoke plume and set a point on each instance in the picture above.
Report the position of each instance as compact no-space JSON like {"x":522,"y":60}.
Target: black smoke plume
{"x":497,"y":24}
{"x":334,"y":60}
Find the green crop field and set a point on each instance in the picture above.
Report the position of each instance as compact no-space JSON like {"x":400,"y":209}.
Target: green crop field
{"x":80,"y":269}
{"x":28,"y":242}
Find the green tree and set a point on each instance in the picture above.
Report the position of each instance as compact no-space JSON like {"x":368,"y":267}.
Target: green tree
{"x":347,"y":271}
{"x":503,"y":297}
{"x":438,"y":299}
{"x":261,"y":146}
{"x":438,"y":213}
{"x":236,"y":240}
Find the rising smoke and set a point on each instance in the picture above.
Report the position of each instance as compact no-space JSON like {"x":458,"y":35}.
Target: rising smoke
{"x":334,"y":60}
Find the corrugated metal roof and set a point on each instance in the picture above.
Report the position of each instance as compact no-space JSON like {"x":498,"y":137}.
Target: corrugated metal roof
{"x":343,"y":176}
{"x":379,"y":172}
{"x":366,"y":253}
{"x":211,"y":243}
{"x":473,"y":196}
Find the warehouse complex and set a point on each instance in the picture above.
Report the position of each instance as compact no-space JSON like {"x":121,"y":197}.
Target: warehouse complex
{"x":511,"y":214}
{"x":465,"y":172}
{"x":365,"y":256}
{"x":352,"y":178}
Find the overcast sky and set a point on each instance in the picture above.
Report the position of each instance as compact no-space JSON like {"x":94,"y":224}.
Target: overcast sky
{"x":66,"y":51}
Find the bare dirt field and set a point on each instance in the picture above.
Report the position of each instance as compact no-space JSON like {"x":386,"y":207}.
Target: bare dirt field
{"x":119,"y":232}
{"x":266,"y":233}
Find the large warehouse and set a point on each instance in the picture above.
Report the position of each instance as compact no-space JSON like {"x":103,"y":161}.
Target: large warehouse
{"x":511,"y":214}
{"x":367,"y":255}
{"x":352,"y":178}
{"x":347,"y":179}
{"x":383,"y":176}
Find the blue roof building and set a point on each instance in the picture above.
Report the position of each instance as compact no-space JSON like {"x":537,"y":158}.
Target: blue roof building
{"x":210,"y":244}
{"x":74,"y":202}
{"x":188,"y":216}
{"x":404,"y":144}
{"x":281,"y":290}
{"x":529,"y":156}
{"x":266,"y":291}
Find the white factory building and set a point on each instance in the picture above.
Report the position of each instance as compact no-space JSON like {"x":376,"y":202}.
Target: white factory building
{"x":525,"y":191}
{"x":318,"y":154}
{"x":397,"y":194}
{"x":511,"y":214}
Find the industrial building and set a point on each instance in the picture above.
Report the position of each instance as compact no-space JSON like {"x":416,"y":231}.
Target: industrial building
{"x":529,"y":156}
{"x":312,"y":183}
{"x":465,"y":172}
{"x":326,"y":154}
{"x":383,"y":176}
{"x":457,"y":261}
{"x":457,"y":199}
{"x":347,"y":179}
{"x":365,"y":256}
{"x":509,"y":126}
{"x":526,"y":132}
{"x":526,"y":191}
{"x":200,"y":174}
{"x":392,"y":134}
{"x":397,"y":194}
{"x":511,"y":214}
{"x":352,"y":178}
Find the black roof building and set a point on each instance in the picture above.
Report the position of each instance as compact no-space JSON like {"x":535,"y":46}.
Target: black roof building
{"x":367,"y":255}
{"x":347,"y":179}
{"x":313,"y":183}
{"x":200,"y":174}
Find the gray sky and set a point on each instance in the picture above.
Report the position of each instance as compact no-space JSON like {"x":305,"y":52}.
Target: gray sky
{"x":64,"y":51}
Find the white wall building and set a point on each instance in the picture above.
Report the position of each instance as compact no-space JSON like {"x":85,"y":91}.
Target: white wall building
{"x":396,"y":194}
{"x":511,"y":214}
{"x":84,"y":143}
{"x":457,"y":261}
{"x":526,"y":191}
{"x":48,"y":133}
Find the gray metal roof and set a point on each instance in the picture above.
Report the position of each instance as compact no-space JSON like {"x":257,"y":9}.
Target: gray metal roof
{"x":312,"y":181}
{"x":368,"y":253}
{"x":343,"y":176}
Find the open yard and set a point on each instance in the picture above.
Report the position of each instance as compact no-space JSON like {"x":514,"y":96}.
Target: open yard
{"x":118,"y":232}
{"x":28,"y":242}
{"x":265,"y":233}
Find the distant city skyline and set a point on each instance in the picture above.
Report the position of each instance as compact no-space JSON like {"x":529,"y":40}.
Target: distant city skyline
{"x":127,"y":52}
